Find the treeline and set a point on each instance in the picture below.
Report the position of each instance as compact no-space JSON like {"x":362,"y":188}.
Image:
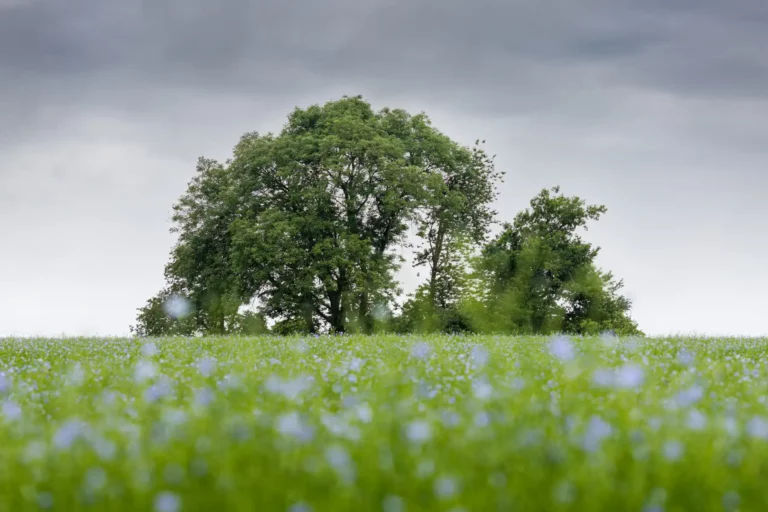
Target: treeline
{"x":302,"y":232}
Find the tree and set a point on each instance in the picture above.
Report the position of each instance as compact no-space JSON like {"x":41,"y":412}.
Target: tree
{"x":327,"y":201}
{"x":594,"y":305}
{"x":155,"y":319}
{"x":455,"y":219}
{"x":305,"y":224}
{"x":199,"y":269}
{"x":539,"y":276}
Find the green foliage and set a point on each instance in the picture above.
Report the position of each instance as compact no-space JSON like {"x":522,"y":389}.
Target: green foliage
{"x":538,"y":275}
{"x":291,"y":326}
{"x":420,"y":314}
{"x":455,"y":218}
{"x":250,"y":323}
{"x":437,"y":304}
{"x":324,"y":204}
{"x":306,"y":223}
{"x":154,"y":320}
{"x":304,"y":228}
{"x":593,"y":305}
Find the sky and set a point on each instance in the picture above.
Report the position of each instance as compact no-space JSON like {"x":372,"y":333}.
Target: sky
{"x":655,"y":109}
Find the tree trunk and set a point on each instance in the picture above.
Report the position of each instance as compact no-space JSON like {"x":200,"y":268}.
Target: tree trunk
{"x":435,"y":264}
{"x":307,"y":315}
{"x":365,"y":319}
{"x":337,"y":311}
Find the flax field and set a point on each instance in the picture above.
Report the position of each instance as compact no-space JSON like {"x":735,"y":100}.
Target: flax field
{"x":384,"y":423}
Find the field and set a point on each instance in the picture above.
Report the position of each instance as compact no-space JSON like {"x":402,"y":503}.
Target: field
{"x":384,"y":423}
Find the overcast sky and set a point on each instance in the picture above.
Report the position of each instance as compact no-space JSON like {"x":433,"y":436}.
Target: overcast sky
{"x":656,"y":109}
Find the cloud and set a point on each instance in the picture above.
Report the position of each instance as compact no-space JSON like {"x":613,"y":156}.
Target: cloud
{"x":235,"y":45}
{"x":585,"y":63}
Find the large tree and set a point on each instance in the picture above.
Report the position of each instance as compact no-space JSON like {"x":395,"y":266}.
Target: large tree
{"x":456,"y":218}
{"x":304,"y":224}
{"x":199,"y":272}
{"x":539,"y":276}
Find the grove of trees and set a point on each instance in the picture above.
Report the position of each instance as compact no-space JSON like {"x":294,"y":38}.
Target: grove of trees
{"x":301,"y":232}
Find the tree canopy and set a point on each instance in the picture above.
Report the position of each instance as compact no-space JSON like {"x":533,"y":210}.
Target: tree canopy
{"x":304,"y":229}
{"x":539,"y":276}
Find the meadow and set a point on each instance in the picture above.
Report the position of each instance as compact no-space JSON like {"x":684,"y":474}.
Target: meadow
{"x":384,"y":423}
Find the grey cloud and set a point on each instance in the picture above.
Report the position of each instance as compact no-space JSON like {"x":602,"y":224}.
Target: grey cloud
{"x":236,"y":45}
{"x":561,"y":59}
{"x":593,"y":63}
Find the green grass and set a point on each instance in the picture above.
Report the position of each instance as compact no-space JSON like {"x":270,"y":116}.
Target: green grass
{"x":384,"y":423}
